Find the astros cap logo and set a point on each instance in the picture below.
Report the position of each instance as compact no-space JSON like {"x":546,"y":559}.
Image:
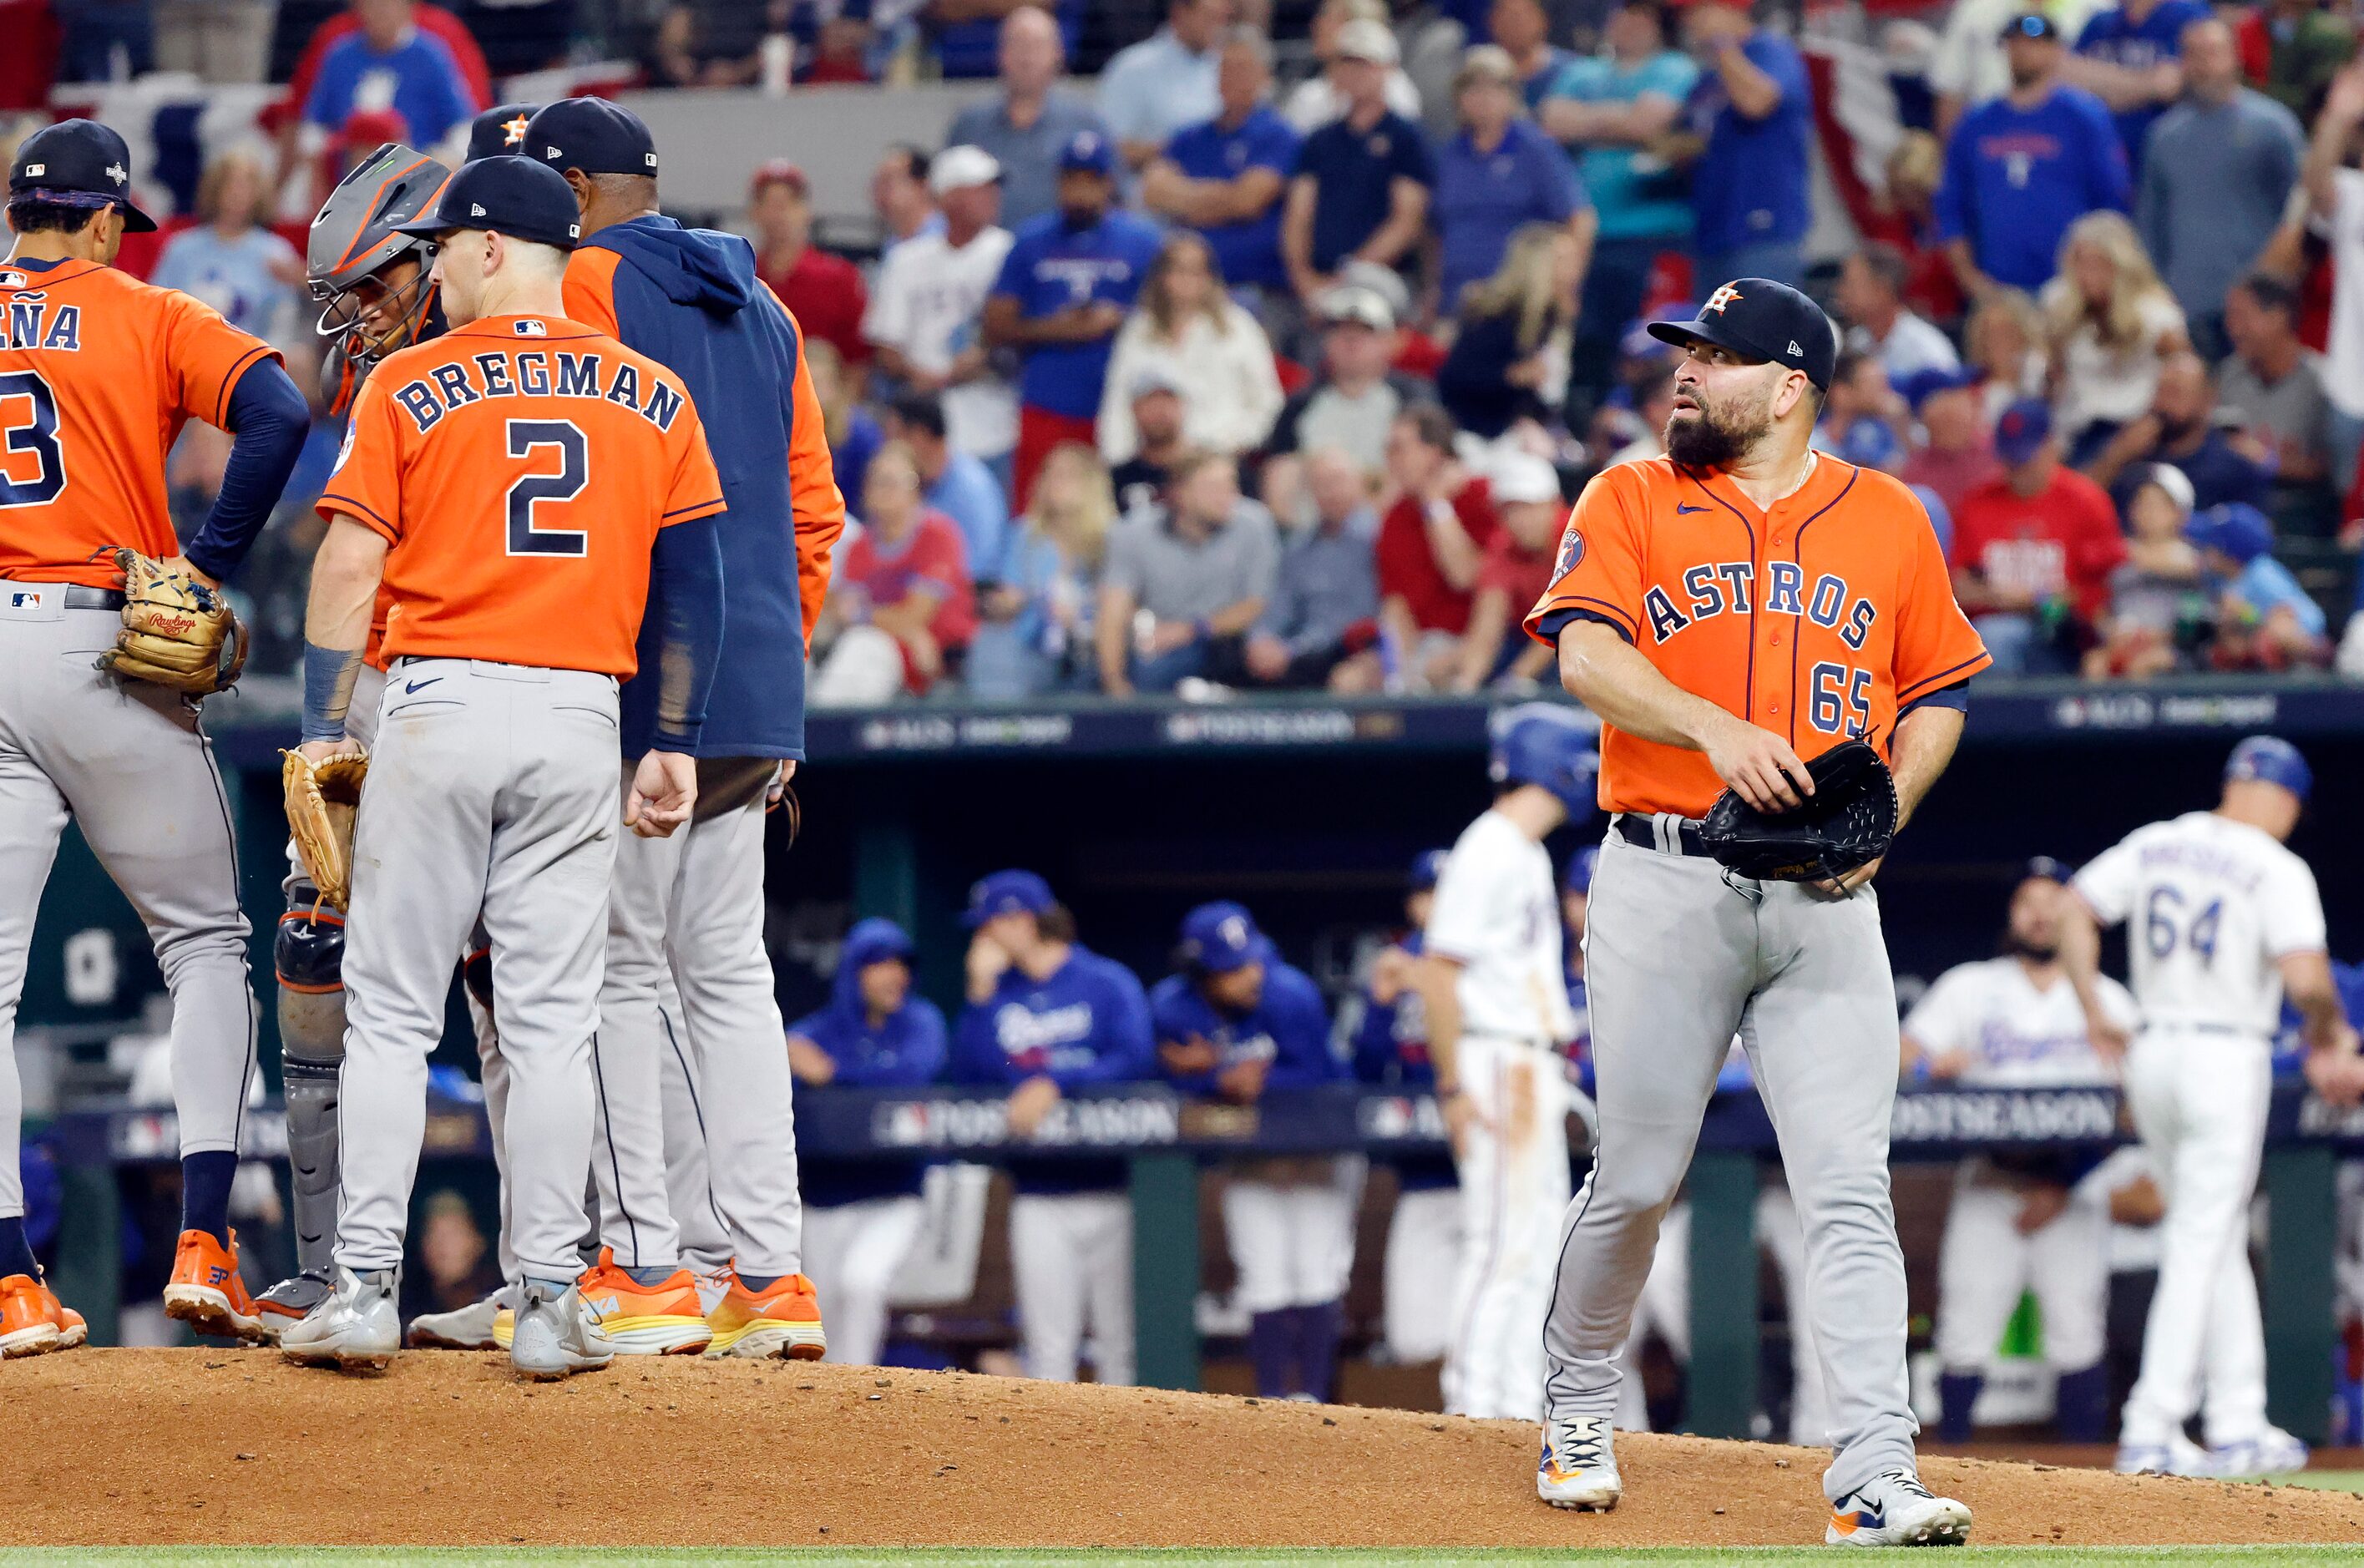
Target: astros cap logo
{"x":513,"y":131}
{"x":1718,"y":299}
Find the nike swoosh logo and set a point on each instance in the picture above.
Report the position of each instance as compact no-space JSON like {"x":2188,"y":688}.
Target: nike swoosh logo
{"x":1683,"y":511}
{"x":411,"y":688}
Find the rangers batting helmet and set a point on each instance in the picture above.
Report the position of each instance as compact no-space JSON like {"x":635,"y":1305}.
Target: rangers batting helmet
{"x":2269,"y":758}
{"x":1549,"y":745}
{"x":354,"y":238}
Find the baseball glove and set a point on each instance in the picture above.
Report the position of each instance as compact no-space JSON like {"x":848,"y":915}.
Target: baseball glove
{"x":321,"y":798}
{"x":176,"y":632}
{"x":1849,"y":821}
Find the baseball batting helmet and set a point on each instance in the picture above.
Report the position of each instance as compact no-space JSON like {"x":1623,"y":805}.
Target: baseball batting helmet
{"x":354,"y":239}
{"x":1548,"y":745}
{"x":2269,"y":758}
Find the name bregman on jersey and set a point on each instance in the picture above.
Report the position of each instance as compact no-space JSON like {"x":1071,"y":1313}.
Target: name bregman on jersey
{"x":34,"y":323}
{"x":534,"y":372}
{"x":1727,"y":587}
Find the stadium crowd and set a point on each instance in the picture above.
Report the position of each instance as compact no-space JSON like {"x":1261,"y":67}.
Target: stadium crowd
{"x":1195,"y":378}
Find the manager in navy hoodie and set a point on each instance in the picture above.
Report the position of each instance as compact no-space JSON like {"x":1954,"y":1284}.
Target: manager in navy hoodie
{"x":694,"y":903}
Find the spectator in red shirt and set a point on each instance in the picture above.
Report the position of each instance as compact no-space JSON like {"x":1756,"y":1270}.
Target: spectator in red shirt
{"x":2034,"y":550}
{"x":1956,"y":456}
{"x":902,"y":607}
{"x":1515,"y":572}
{"x":823,"y":291}
{"x":1432,"y":545}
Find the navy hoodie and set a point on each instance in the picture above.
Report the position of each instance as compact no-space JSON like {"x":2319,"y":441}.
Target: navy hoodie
{"x":904,"y":1049}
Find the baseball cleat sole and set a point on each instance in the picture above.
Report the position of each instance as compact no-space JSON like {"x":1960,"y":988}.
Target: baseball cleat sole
{"x":363,"y":1361}
{"x":210,"y":1312}
{"x":38,"y":1340}
{"x":774,"y":1342}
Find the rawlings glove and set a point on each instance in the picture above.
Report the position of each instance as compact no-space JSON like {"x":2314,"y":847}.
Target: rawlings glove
{"x":321,"y":798}
{"x":176,"y":632}
{"x":1849,"y":821}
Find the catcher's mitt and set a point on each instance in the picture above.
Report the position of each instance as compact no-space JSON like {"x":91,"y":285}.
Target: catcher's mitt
{"x":321,"y":798}
{"x":1849,"y":821}
{"x":176,"y":632}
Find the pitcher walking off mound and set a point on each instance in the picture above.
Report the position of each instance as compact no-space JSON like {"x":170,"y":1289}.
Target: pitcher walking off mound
{"x":1731,"y":611}
{"x":509,"y":483}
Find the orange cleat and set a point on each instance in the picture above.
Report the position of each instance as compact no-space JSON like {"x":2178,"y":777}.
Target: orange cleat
{"x":205,"y":1292}
{"x":661,"y":1319}
{"x":784,"y":1321}
{"x":33,"y":1322}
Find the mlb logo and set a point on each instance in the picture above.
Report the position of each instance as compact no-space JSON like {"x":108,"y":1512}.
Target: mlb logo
{"x":13,"y":280}
{"x":530,"y":328}
{"x":25,"y":599}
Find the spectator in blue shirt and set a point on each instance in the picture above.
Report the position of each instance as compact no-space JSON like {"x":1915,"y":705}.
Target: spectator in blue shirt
{"x":2132,"y":59}
{"x":1753,"y":111}
{"x":1065,"y":286}
{"x":863,"y":1216}
{"x":2022,"y":168}
{"x":1236,"y":1022}
{"x":1498,"y":176}
{"x":1167,"y":81}
{"x":1032,"y":122}
{"x":233,"y":263}
{"x":2181,"y":429}
{"x":955,"y":483}
{"x":1225,"y":177}
{"x":391,"y":64}
{"x":1613,"y":105}
{"x":2265,"y":621}
{"x":1361,"y":191}
{"x":970,"y":40}
{"x":1045,"y":1015}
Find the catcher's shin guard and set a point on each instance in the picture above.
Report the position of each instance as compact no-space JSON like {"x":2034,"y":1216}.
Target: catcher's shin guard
{"x":310,"y":954}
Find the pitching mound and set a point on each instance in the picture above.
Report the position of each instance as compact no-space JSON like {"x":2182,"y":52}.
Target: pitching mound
{"x":228,"y":1447}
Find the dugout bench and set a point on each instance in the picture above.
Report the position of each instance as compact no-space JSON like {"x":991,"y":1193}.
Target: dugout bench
{"x":1166,"y":1138}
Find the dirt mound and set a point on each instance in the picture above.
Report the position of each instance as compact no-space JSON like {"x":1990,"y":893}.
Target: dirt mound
{"x":228,"y":1447}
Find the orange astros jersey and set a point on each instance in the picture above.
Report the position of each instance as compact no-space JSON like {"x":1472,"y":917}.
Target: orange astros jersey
{"x":520,"y":467}
{"x":98,"y":372}
{"x":1817,"y":620}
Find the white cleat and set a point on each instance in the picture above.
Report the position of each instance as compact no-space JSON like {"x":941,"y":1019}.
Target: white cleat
{"x":1894,"y":1509}
{"x":2273,"y":1451}
{"x":2177,"y":1456}
{"x":356,"y":1327}
{"x":1579,"y":1469}
{"x":468,"y":1328}
{"x":556,"y":1336}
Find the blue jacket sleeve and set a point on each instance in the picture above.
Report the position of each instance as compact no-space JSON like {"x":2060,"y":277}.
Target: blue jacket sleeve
{"x":977,"y":1056}
{"x":1953,"y":199}
{"x":1127,"y":1053}
{"x":1376,"y":1056}
{"x":1170,"y":1024}
{"x":687,"y":567}
{"x":922,"y":1058}
{"x":2113,"y":181}
{"x":268,"y":420}
{"x":1301,"y":1038}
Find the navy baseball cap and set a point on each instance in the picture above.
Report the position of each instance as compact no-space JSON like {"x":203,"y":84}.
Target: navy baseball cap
{"x":1007,"y":892}
{"x":1580,"y":867}
{"x":591,"y":136}
{"x":2269,"y":758}
{"x":1922,"y":385}
{"x":509,"y":195}
{"x":2021,"y":431}
{"x":498,"y":131}
{"x":1427,"y":868}
{"x":2237,"y":528}
{"x":1089,"y":152}
{"x":2048,"y":869}
{"x":1220,"y":936}
{"x":78,"y":163}
{"x":1760,"y":319}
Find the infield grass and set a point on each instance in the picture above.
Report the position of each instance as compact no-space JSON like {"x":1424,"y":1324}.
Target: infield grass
{"x":1169,"y":1557}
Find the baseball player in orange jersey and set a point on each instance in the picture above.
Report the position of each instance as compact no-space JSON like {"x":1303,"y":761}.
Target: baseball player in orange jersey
{"x":98,"y":372}
{"x":1730,"y":610}
{"x":510,"y":483}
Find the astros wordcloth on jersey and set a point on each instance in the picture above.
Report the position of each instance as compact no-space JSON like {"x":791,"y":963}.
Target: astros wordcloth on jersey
{"x":542,"y":457}
{"x":2209,"y":904}
{"x":1819,"y":619}
{"x":98,"y":372}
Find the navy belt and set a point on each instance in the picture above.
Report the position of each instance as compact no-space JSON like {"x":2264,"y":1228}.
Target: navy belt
{"x":1642,"y":832}
{"x":81,"y":598}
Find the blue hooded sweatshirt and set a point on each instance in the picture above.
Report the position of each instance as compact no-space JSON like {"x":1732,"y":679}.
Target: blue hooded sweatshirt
{"x":904,"y":1049}
{"x":689,"y":298}
{"x":1087,"y":1023}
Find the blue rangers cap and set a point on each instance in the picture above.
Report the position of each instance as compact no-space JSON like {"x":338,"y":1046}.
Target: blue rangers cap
{"x":1426,"y":867}
{"x":500,"y":131}
{"x":1580,"y":867}
{"x":2049,"y":870}
{"x":1007,"y":892}
{"x":79,"y":164}
{"x":590,"y":136}
{"x":1760,"y":319}
{"x":1550,"y":745}
{"x":509,"y":195}
{"x":1220,"y":936}
{"x":1089,"y":152}
{"x":2269,"y":758}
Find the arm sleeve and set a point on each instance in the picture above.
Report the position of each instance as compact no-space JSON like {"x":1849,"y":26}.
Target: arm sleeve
{"x":1127,"y":1047}
{"x":1598,"y":576}
{"x":205,"y":358}
{"x":977,"y":1057}
{"x":686,"y":568}
{"x":1375,"y":1043}
{"x":589,"y":291}
{"x":1122,"y":568}
{"x":921,"y":1059}
{"x":1935,"y":1021}
{"x":1461,"y":922}
{"x":2113,"y":179}
{"x":366,"y":483}
{"x":1263,"y":573}
{"x":2293,"y":911}
{"x":2106,"y":883}
{"x":1935,"y":646}
{"x":888,"y":320}
{"x":813,"y":494}
{"x":268,"y":420}
{"x":1952,"y":201}
{"x":1301,"y":1034}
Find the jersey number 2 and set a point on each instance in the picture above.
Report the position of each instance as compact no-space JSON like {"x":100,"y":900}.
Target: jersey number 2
{"x":36,"y":482}
{"x":2162,"y":929}
{"x":527,"y":437}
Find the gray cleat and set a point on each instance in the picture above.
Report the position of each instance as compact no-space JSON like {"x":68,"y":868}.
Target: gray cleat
{"x":280,"y":1308}
{"x":356,"y":1327}
{"x":468,"y":1328}
{"x":555,"y":1337}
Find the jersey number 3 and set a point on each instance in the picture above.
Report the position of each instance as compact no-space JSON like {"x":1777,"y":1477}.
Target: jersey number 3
{"x":529,"y":438}
{"x":32,"y":466}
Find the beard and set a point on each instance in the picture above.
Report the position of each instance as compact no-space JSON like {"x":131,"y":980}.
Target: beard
{"x":2016,"y":946}
{"x":1715,"y":437}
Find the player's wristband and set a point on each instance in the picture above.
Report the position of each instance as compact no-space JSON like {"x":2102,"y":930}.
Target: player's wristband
{"x":328,"y":676}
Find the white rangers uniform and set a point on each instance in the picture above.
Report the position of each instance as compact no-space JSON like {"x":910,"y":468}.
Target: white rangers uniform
{"x":1497,"y":914}
{"x":2210,"y":905}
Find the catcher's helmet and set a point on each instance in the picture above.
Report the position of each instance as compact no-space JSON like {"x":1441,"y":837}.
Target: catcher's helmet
{"x":1550,"y":745}
{"x":354,"y":239}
